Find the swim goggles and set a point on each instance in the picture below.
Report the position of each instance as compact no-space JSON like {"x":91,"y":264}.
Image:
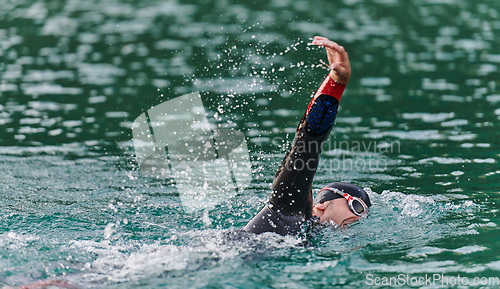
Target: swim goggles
{"x":356,"y":205}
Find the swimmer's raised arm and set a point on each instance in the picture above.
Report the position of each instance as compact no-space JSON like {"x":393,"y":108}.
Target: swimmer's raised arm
{"x":290,"y":203}
{"x":337,"y":58}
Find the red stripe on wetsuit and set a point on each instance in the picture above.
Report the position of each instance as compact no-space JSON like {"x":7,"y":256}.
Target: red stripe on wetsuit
{"x":328,"y":87}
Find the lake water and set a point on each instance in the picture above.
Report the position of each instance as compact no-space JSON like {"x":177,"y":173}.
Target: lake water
{"x":418,"y":128}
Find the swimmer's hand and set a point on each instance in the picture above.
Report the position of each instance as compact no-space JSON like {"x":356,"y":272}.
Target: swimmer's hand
{"x":338,"y":59}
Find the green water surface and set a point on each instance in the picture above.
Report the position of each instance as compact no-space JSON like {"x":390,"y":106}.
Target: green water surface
{"x":417,"y":128}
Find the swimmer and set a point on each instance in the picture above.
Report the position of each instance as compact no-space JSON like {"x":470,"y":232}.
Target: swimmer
{"x":290,"y":204}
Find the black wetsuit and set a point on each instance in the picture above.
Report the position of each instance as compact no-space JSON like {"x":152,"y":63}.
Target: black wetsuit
{"x":290,"y":203}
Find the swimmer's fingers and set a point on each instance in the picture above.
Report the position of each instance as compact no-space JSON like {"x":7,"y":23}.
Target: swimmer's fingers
{"x":338,"y":58}
{"x":335,"y":52}
{"x":325,"y":42}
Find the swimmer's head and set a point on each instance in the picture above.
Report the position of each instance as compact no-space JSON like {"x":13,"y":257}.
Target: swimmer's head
{"x":332,"y":203}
